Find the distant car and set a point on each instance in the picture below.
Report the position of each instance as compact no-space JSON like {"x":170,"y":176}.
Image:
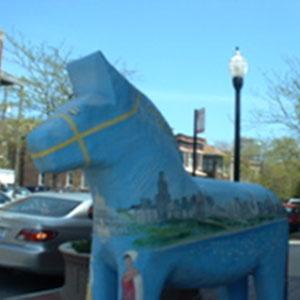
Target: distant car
{"x":16,"y":193}
{"x":31,"y":229}
{"x":294,"y":201}
{"x":4,"y":199}
{"x":293,"y":211}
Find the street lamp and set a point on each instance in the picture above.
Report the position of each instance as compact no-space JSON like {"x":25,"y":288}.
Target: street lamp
{"x":238,"y":68}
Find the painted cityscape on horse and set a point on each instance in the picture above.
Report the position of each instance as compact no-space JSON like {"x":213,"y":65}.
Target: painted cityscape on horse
{"x":164,"y":221}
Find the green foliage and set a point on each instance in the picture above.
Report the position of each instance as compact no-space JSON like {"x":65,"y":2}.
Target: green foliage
{"x":281,"y":167}
{"x":274,"y":164}
{"x":10,"y":129}
{"x":251,"y":159}
{"x":82,"y":246}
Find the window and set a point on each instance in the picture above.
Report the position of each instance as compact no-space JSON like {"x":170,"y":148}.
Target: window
{"x":43,"y":206}
{"x":190,"y":160}
{"x":70,"y":179}
{"x":185,"y":159}
{"x":41,"y":179}
{"x":208,"y":164}
{"x":83,"y":183}
{"x":199,"y":161}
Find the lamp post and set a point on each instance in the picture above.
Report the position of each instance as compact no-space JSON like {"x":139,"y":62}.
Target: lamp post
{"x":238,"y":68}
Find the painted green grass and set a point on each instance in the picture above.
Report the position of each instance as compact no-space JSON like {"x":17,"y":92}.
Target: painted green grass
{"x":178,"y":231}
{"x":174,"y":232}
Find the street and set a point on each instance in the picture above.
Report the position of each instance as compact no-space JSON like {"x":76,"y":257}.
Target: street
{"x":14,"y":283}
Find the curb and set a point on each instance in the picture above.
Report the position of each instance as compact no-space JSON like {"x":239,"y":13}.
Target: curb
{"x":54,"y":294}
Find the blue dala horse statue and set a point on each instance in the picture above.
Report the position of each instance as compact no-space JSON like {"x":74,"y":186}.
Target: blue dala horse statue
{"x":154,"y":225}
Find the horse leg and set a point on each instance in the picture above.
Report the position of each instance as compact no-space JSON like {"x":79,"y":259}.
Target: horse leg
{"x":103,"y":280}
{"x":237,"y":290}
{"x":270,"y":277}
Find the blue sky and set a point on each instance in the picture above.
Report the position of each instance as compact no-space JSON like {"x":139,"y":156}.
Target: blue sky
{"x":180,"y":49}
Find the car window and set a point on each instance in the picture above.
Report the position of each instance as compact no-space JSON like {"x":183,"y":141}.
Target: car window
{"x":22,"y":192}
{"x":44,"y":206}
{"x":4,"y":198}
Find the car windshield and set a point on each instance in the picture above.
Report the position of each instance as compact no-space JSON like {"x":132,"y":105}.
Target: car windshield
{"x":43,"y":206}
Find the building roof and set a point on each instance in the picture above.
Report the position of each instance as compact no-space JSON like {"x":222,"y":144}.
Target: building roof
{"x":189,"y":139}
{"x":211,"y":150}
{"x":185,"y":143}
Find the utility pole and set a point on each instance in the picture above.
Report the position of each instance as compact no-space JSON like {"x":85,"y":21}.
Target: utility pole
{"x":5,"y":105}
{"x":199,"y":127}
{"x":195,"y":144}
{"x":18,"y":137}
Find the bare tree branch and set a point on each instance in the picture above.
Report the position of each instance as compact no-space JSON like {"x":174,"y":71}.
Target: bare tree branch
{"x":47,"y":85}
{"x":282,"y":97}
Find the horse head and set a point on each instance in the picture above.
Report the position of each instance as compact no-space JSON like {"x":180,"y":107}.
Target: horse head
{"x":95,"y":127}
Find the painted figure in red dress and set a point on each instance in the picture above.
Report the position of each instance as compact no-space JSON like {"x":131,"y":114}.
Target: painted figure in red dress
{"x":132,"y":285}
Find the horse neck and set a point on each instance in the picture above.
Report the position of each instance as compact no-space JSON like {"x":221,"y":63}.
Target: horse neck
{"x":136,"y":176}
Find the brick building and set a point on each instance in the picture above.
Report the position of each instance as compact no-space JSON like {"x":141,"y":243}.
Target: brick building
{"x":34,"y":180}
{"x":209,"y":158}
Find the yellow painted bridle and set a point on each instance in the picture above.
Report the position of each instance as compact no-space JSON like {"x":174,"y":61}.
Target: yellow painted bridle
{"x":79,"y":136}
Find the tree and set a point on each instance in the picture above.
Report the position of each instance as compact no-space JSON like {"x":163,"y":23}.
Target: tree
{"x":251,"y":156}
{"x":227,"y":150}
{"x":281,"y":167}
{"x":44,"y":76}
{"x":251,"y":159}
{"x":45,"y":86}
{"x":274,"y":164}
{"x":283,"y":98}
{"x":8,"y":143}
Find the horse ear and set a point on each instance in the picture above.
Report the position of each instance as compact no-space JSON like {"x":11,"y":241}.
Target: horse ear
{"x":90,"y":75}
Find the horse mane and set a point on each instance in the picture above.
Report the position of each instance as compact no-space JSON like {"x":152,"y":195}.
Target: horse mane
{"x":161,"y":128}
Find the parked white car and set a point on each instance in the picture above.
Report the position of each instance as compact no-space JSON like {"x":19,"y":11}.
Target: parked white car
{"x":32,"y":228}
{"x":16,"y":193}
{"x":294,"y":201}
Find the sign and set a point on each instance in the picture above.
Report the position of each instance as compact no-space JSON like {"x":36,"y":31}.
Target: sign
{"x":200,"y":120}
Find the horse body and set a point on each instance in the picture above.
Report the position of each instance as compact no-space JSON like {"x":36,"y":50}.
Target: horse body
{"x":153,"y":223}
